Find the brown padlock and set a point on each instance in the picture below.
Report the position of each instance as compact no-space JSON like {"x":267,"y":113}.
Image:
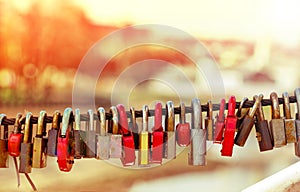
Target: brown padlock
{"x":115,"y":136}
{"x":277,"y":123}
{"x":26,"y":146}
{"x":289,"y":123}
{"x":241,"y":113}
{"x":209,"y":122}
{"x":39,"y":156}
{"x":297,"y":143}
{"x":53,"y":134}
{"x":4,"y":163}
{"x":170,"y":137}
{"x":247,"y":124}
{"x":262,"y":129}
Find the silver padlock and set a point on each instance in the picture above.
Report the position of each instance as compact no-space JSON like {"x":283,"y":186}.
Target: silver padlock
{"x":115,"y":136}
{"x":103,"y":139}
{"x":198,"y":135}
{"x":170,"y":137}
{"x":90,"y":136}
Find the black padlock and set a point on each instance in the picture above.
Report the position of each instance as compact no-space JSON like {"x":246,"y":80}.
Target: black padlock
{"x":247,"y":124}
{"x":53,"y":134}
{"x":79,"y":137}
{"x":26,"y":146}
{"x":263,"y":134}
{"x":3,"y":143}
{"x":90,"y":136}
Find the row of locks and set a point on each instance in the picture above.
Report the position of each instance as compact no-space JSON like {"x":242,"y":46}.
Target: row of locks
{"x":118,"y":137}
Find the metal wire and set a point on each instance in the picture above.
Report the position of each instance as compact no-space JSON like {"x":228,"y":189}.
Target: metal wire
{"x":138,"y":113}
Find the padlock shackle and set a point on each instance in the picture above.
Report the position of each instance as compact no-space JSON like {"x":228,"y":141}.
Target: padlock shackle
{"x":67,"y":122}
{"x":90,"y":123}
{"x":102,"y":120}
{"x":231,"y":106}
{"x":170,"y":116}
{"x":123,"y":121}
{"x":196,"y":121}
{"x":56,"y":120}
{"x":239,"y":111}
{"x":17,"y":125}
{"x":259,"y":112}
{"x":209,"y":110}
{"x":275,"y":110}
{"x":28,"y":128}
{"x":286,"y":106}
{"x":5,"y":128}
{"x":77,"y":119}
{"x":133,"y":119}
{"x":157,"y":116}
{"x":41,"y":125}
{"x":182,"y":118}
{"x":221,"y":115}
{"x":145,"y":112}
{"x":256,"y":105}
{"x":114,"y":122}
{"x":297,"y":95}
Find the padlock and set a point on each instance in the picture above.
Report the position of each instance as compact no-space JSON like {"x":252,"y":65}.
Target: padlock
{"x":15,"y":138}
{"x":128,"y":155}
{"x":79,"y":137}
{"x":115,"y":136}
{"x":230,"y":126}
{"x":133,"y":126}
{"x":143,"y":158}
{"x":209,"y":122}
{"x":198,"y":135}
{"x":65,"y":142}
{"x":289,"y":123}
{"x":26,"y":146}
{"x":297,"y":121}
{"x":157,"y":136}
{"x":103,"y":140}
{"x":53,"y":134}
{"x":262,"y":129}
{"x":90,"y":136}
{"x":220,"y":123}
{"x":4,"y":163}
{"x":183,"y":129}
{"x":39,"y":156}
{"x":241,"y":113}
{"x":247,"y":124}
{"x":277,"y":123}
{"x":170,"y":137}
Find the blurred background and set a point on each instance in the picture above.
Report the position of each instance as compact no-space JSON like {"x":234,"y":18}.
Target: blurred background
{"x":256,"y":45}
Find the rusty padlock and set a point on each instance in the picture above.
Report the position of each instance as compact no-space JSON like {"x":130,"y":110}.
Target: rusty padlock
{"x":183,"y":129}
{"x":128,"y":155}
{"x":170,"y":137}
{"x":53,"y":134}
{"x":241,"y":113}
{"x":143,"y":158}
{"x":220,"y":123}
{"x":103,"y":140}
{"x":90,"y":136}
{"x":209,"y":122}
{"x":4,"y":163}
{"x":79,"y":137}
{"x":230,"y":127}
{"x":247,"y":124}
{"x":277,"y":123}
{"x":39,"y":156}
{"x":115,"y":136}
{"x":157,"y":136}
{"x":26,"y":146}
{"x":198,"y":135}
{"x":263,"y":134}
{"x":15,"y":138}
{"x":289,"y":123}
{"x":65,"y":142}
{"x":297,"y":121}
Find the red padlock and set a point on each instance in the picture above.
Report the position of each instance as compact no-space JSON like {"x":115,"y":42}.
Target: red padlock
{"x":157,"y":136}
{"x":128,"y":156}
{"x":15,"y":138}
{"x":183,"y":129}
{"x":220,"y":123}
{"x":65,"y":142}
{"x":230,"y":126}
